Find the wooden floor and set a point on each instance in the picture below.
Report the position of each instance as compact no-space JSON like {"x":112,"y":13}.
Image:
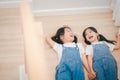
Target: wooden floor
{"x":78,"y":22}
{"x":11,"y":37}
{"x":11,"y":44}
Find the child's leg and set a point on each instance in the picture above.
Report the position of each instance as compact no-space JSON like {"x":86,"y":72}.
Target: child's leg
{"x":63,"y":73}
{"x":99,"y":71}
{"x":111,"y":70}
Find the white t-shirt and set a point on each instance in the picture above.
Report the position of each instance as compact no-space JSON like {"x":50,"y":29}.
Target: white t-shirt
{"x":89,"y":48}
{"x":58,"y":48}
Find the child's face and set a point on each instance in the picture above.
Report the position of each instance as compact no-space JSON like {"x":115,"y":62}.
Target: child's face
{"x":91,"y":36}
{"x":68,"y":36}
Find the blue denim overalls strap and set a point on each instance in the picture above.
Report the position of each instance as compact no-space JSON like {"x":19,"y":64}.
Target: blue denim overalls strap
{"x":70,"y":66}
{"x":104,"y":64}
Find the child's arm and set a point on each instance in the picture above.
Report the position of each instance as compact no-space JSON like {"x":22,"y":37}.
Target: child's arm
{"x":117,"y":46}
{"x":90,"y":65}
{"x":85,"y":63}
{"x":50,"y":41}
{"x":91,"y":74}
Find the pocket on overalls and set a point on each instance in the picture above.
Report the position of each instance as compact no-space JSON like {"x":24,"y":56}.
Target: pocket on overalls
{"x":60,"y":68}
{"x":63,"y":72}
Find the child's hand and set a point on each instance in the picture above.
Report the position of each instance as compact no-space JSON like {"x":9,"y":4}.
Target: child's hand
{"x":91,"y":75}
{"x":94,"y":73}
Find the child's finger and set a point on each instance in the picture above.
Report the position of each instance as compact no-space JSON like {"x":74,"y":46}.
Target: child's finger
{"x":94,"y":74}
{"x":91,"y":76}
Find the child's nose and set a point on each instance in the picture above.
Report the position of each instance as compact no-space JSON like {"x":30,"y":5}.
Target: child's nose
{"x":89,"y":34}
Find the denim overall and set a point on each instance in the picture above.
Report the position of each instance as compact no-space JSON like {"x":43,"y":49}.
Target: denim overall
{"x":104,"y":64}
{"x":70,"y":66}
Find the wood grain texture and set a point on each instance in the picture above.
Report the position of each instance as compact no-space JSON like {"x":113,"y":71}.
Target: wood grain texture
{"x":11,"y":37}
{"x":101,"y":21}
{"x":11,"y":44}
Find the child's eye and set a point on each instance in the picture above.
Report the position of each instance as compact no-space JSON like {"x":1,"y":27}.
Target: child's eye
{"x":90,"y":32}
{"x":68,"y":31}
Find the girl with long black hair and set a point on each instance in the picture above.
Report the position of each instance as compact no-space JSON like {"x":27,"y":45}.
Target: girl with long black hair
{"x":71,"y":55}
{"x":100,"y":59}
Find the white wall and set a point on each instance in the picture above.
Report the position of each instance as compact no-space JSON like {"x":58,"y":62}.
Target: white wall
{"x":60,"y":4}
{"x":58,"y":7}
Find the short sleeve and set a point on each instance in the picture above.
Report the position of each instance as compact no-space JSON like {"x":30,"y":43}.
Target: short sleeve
{"x":58,"y":49}
{"x":111,"y":46}
{"x":89,"y":50}
{"x":81,"y":48}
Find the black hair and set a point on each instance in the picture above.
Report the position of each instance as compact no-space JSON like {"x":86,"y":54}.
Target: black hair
{"x":60,"y":32}
{"x":100,"y":36}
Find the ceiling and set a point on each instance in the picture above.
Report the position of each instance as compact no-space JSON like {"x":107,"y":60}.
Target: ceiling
{"x":56,"y":7}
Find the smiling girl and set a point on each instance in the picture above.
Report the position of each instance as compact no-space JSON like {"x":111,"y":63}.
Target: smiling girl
{"x":70,"y":53}
{"x":99,"y":54}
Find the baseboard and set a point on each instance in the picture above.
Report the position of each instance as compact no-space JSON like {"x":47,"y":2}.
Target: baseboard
{"x":9,"y":4}
{"x":71,"y":11}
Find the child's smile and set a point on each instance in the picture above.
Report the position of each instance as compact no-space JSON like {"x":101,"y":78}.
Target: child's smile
{"x":91,"y":35}
{"x":68,"y":36}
